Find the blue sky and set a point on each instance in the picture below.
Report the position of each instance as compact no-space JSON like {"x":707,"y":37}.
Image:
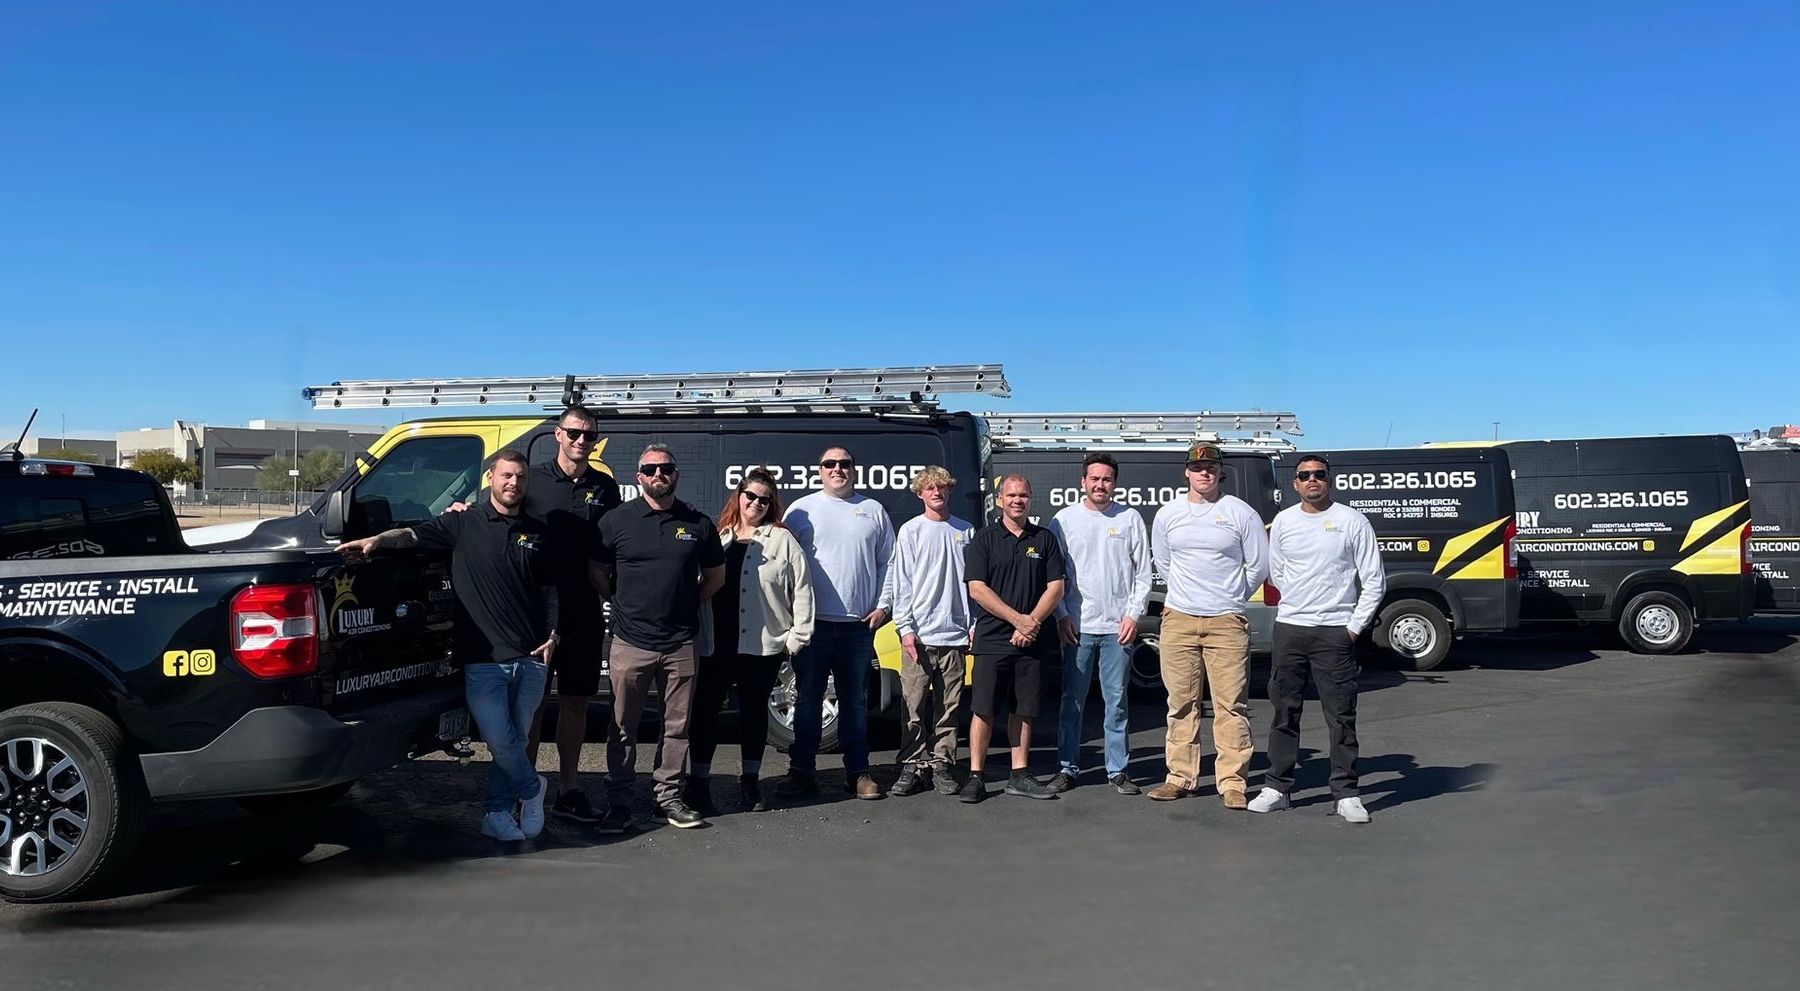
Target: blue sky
{"x":1402,"y":221}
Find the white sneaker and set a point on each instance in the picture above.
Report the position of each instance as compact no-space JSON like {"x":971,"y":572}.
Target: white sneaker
{"x":1268,"y":800}
{"x":1351,"y":810}
{"x":531,"y":810}
{"x":501,"y":826}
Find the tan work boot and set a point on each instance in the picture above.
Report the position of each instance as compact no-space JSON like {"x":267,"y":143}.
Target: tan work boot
{"x":1234,"y":800}
{"x":1168,"y":791}
{"x":867,"y":789}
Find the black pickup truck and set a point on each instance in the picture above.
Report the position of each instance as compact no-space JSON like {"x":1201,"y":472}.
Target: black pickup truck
{"x":134,"y":670}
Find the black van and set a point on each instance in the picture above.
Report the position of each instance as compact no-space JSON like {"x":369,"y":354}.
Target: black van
{"x":1148,"y":478}
{"x":1774,"y":475}
{"x":1646,"y":533}
{"x":1444,"y":519}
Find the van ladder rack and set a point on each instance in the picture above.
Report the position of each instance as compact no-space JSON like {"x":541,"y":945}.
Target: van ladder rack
{"x":1239,"y":431}
{"x":915,"y":386}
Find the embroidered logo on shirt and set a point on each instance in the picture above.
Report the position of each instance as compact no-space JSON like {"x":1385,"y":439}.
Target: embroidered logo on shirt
{"x":1219,"y":519}
{"x":681,"y":533}
{"x":1031,"y":552}
{"x":1112,"y":531}
{"x":1329,"y":525}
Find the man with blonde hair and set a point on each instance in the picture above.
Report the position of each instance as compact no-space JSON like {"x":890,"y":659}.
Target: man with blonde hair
{"x":930,"y":606}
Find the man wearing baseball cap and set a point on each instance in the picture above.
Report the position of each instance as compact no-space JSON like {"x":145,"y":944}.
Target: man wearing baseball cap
{"x":1211,"y":550}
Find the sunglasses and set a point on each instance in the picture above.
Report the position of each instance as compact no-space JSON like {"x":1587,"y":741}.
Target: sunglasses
{"x":1307,"y":476}
{"x":844,"y":463}
{"x":660,"y":468}
{"x":588,"y":435}
{"x":760,"y":500}
{"x":1210,"y":467}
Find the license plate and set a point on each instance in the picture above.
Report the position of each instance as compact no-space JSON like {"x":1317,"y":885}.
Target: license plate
{"x":453,"y":725}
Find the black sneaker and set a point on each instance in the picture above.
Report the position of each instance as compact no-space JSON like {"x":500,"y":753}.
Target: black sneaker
{"x":677,"y":814}
{"x":1124,"y":785}
{"x":944,"y":778}
{"x":973,"y":790}
{"x":696,"y":794}
{"x":1060,"y":782}
{"x":616,"y":820}
{"x":797,"y":784}
{"x":574,"y":806}
{"x":1024,"y":785}
{"x":750,"y":791}
{"x":911,"y":781}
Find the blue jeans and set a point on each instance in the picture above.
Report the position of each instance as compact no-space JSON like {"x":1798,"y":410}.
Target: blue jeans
{"x":842,"y":652}
{"x":503,"y":698}
{"x":1078,"y":673}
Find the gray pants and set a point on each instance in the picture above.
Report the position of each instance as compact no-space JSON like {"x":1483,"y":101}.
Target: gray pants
{"x":933,"y":690}
{"x":634,"y":671}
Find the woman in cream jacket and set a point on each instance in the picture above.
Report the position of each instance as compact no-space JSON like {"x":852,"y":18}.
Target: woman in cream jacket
{"x":763,"y":614}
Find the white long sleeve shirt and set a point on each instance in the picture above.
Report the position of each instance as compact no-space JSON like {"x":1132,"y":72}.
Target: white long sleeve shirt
{"x":1327,"y":567}
{"x":1212,"y":555}
{"x":1106,"y":566}
{"x":925,"y":580}
{"x":848,"y":543}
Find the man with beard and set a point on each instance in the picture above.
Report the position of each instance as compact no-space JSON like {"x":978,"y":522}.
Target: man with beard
{"x":504,"y":632}
{"x":661,"y":559}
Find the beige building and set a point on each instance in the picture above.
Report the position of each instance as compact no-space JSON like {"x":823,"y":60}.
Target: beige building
{"x":106,"y":450}
{"x":230,"y":457}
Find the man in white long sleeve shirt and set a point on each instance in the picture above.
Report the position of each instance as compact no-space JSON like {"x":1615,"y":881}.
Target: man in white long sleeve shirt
{"x":1211,"y":550}
{"x":1327,"y":565}
{"x":1106,"y":559}
{"x":848,"y":542}
{"x":933,"y":619}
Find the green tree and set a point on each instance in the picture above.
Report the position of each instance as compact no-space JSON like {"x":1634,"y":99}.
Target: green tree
{"x":68,"y":454}
{"x":273,"y":475}
{"x":320,"y":468}
{"x":162,"y":465}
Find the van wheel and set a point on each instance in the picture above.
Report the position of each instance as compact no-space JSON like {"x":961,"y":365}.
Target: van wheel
{"x":1415,"y":633}
{"x":782,"y":700}
{"x":1145,"y":672}
{"x":72,"y":807}
{"x":1656,"y":623}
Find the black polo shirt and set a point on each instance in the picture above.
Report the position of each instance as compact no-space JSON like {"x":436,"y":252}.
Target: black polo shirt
{"x":657,"y":556}
{"x":500,"y":568}
{"x":571,"y":508}
{"x":1018,"y":569}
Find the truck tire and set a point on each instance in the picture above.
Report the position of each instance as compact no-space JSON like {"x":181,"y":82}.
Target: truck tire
{"x":781,"y":711}
{"x":72,"y":802}
{"x":1413,"y":634}
{"x":1656,"y":623}
{"x":296,"y":804}
{"x":1144,"y":675}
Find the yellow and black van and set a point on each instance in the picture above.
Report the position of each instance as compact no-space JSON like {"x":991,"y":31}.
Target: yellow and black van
{"x":1444,"y":520}
{"x":1647,"y":534}
{"x":1774,"y":476}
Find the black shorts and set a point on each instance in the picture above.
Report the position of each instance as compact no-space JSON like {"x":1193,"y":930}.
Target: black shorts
{"x":576,"y":664}
{"x":1008,"y":680}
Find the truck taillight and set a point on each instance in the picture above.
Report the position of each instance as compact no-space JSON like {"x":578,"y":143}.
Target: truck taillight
{"x":1512,"y":551}
{"x":1744,"y":548}
{"x":1271,"y":595}
{"x":275,"y":630}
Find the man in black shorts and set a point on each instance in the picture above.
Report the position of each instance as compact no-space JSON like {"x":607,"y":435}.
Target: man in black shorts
{"x":570,"y":495}
{"x":1014,"y":569}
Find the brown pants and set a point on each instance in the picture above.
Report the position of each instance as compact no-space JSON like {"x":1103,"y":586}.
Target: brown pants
{"x":933,"y":689}
{"x":1197,"y":650}
{"x":634,"y":671}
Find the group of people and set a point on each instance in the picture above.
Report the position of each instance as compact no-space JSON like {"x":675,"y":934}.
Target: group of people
{"x":700,"y":607}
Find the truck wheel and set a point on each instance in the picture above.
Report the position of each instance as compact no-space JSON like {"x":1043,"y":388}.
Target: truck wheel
{"x":296,"y":804}
{"x":1145,"y":673}
{"x":1656,"y":623}
{"x":781,"y":711}
{"x":72,"y":806}
{"x":1414,"y":633}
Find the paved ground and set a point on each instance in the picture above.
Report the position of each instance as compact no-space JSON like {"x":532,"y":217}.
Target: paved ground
{"x":1547,"y":814}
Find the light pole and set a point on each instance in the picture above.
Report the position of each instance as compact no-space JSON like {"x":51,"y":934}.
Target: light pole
{"x":295,"y":471}
{"x":1496,"y":424}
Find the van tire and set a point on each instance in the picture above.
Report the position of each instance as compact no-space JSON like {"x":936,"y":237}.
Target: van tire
{"x":781,"y":711}
{"x":1413,"y":634}
{"x":1656,"y":622}
{"x":113,"y":801}
{"x":1144,"y":664}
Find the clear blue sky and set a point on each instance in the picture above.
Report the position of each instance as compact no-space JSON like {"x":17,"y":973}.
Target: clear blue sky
{"x":1572,"y":218}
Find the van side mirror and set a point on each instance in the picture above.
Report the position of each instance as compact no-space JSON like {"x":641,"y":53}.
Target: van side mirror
{"x":334,"y":515}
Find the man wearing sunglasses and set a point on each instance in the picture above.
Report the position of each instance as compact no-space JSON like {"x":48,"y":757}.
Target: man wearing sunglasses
{"x":848,"y":541}
{"x":1211,"y":550}
{"x":662,"y":560}
{"x":1325,"y":560}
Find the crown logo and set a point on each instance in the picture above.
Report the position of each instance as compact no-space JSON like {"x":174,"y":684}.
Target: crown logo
{"x":344,"y":592}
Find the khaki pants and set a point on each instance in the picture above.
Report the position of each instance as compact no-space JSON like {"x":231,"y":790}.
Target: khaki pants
{"x":933,"y":690}
{"x":1197,"y":650}
{"x":634,"y":672}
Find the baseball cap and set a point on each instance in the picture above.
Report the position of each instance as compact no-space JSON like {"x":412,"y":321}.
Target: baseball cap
{"x":1204,"y":452}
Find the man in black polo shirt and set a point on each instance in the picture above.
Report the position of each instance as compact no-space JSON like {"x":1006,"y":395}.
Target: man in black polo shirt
{"x":504,"y":633}
{"x":664,"y":559}
{"x":570,"y":496}
{"x":1014,"y":569}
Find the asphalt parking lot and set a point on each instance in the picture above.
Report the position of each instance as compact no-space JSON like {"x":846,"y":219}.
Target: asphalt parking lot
{"x":1548,"y":813}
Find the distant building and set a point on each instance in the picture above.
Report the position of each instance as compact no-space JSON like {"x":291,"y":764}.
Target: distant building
{"x":230,"y":457}
{"x":106,"y":450}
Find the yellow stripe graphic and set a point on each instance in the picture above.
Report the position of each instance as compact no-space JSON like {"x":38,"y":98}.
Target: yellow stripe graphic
{"x":1456,"y":545}
{"x":1705,"y":524}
